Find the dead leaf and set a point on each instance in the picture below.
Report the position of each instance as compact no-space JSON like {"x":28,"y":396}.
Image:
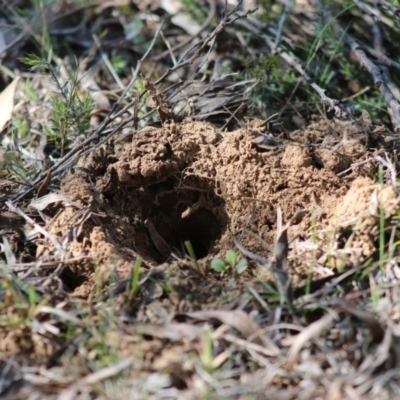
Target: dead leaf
{"x":309,"y":333}
{"x":43,"y":202}
{"x":237,"y":319}
{"x":44,"y":186}
{"x":157,"y":239}
{"x":6,"y":249}
{"x":173,"y":331}
{"x":7,"y":102}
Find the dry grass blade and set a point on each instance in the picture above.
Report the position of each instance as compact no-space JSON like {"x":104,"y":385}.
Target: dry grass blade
{"x":238,"y":319}
{"x":7,"y":102}
{"x":171,"y":331}
{"x":273,"y":351}
{"x":63,"y":315}
{"x":44,"y":186}
{"x":381,"y":355}
{"x":96,"y":377}
{"x":6,"y":249}
{"x":41,"y":203}
{"x":46,"y":234}
{"x":311,"y":332}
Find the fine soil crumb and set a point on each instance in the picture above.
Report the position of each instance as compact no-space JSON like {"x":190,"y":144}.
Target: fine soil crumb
{"x":191,"y":182}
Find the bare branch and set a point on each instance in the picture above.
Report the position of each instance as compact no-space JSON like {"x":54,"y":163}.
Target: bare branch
{"x":226,"y":21}
{"x":377,"y":76}
{"x":207,"y":22}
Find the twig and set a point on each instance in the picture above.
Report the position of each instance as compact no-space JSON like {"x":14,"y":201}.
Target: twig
{"x":46,"y":234}
{"x":378,"y":42}
{"x":212,"y":12}
{"x":95,"y":377}
{"x":390,"y":7}
{"x":288,"y":6}
{"x":355,"y":95}
{"x":366,"y":10}
{"x":106,"y":60}
{"x":386,"y":163}
{"x":311,"y":332}
{"x":226,"y":21}
{"x":354,"y":165}
{"x":380,"y":56}
{"x":379,"y":80}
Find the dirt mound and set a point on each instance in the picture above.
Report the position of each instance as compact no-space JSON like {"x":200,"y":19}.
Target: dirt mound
{"x":191,"y":182}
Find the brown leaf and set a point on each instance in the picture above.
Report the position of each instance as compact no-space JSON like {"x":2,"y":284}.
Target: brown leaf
{"x":44,"y":186}
{"x":312,"y":331}
{"x":7,"y":102}
{"x":43,"y":202}
{"x":237,"y":319}
{"x":157,"y":239}
{"x":281,"y":250}
{"x":172,"y":331}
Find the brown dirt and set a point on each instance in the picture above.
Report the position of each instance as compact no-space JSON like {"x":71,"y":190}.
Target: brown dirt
{"x":190,"y":181}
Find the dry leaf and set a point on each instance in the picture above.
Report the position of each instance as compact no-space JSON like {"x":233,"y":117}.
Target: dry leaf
{"x":311,"y":332}
{"x":238,"y":319}
{"x":44,"y":186}
{"x":173,"y":331}
{"x":7,"y":102}
{"x":43,"y":202}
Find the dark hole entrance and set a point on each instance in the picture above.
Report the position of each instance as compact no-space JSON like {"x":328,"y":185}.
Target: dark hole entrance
{"x":201,"y":228}
{"x":71,"y":279}
{"x":187,"y":215}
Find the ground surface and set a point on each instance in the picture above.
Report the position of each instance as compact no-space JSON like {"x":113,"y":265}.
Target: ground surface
{"x":111,"y":225}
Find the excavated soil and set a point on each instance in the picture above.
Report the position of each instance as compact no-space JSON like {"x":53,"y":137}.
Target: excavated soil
{"x":146,"y":194}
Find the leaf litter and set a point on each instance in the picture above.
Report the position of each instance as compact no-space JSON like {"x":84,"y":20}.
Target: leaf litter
{"x":314,"y":315}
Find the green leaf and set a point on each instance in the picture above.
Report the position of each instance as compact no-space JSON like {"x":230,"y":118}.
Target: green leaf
{"x":30,"y":92}
{"x":49,"y":133}
{"x":190,"y":250}
{"x":135,"y":276}
{"x":218,"y":265}
{"x":231,"y":257}
{"x":241,"y":266}
{"x":32,"y":60}
{"x":50,"y":55}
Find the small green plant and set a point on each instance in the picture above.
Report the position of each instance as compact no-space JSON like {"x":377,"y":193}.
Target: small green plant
{"x":232,"y":264}
{"x":119,"y":64}
{"x":70,"y":111}
{"x":135,"y":277}
{"x":207,"y":356}
{"x":194,"y":10}
{"x":192,"y":255}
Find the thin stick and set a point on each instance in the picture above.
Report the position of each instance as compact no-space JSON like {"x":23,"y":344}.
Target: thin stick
{"x":378,"y":78}
{"x":288,"y":6}
{"x":46,"y":234}
{"x":211,"y":16}
{"x":106,"y":60}
{"x":226,"y":21}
